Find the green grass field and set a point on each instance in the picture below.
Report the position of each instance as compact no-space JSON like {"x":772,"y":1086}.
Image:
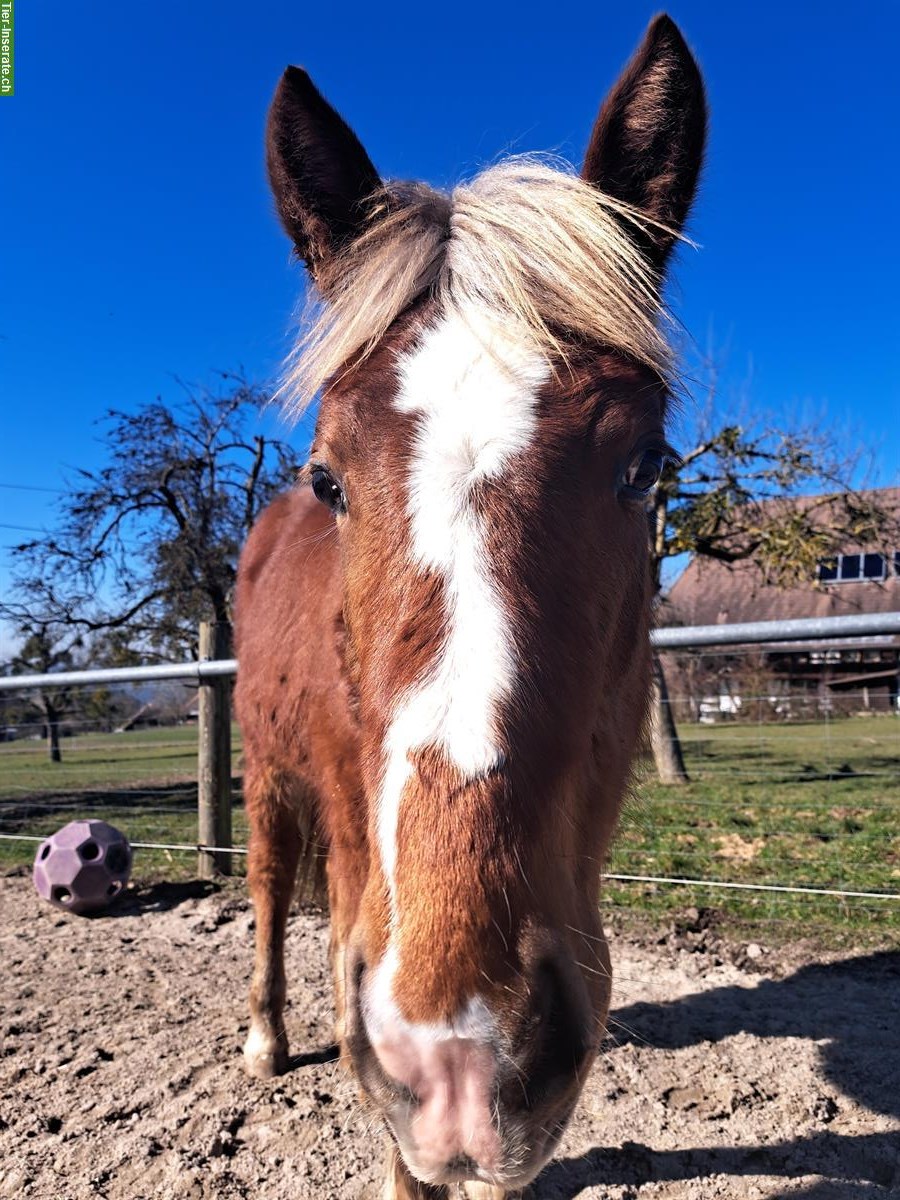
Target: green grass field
{"x":808,"y":805}
{"x":143,"y":782}
{"x":814,"y":805}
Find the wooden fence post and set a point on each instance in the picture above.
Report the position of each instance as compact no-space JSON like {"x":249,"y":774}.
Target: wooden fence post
{"x":214,"y":755}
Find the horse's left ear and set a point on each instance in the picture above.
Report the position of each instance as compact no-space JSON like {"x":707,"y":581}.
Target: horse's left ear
{"x":647,"y":145}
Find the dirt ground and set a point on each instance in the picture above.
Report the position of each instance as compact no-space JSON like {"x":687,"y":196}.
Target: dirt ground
{"x":731,"y":1070}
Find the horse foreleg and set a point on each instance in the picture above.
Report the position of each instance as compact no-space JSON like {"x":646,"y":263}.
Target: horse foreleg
{"x":272,"y":868}
{"x":346,"y":879}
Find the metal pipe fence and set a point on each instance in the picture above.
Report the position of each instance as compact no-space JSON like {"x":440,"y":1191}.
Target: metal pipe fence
{"x":793,"y":763}
{"x":668,"y":638}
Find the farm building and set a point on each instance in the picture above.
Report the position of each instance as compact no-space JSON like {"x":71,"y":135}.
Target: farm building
{"x":784,"y":679}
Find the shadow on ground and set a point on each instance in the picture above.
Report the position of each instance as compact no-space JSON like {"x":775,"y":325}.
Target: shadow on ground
{"x":314,"y":1058}
{"x":157,"y":898}
{"x":176,"y":795}
{"x":852,"y":1008}
{"x":861,"y":1166}
{"x":853,"y":1005}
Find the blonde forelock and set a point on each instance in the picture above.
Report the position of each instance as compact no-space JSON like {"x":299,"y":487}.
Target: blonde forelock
{"x":526,"y":245}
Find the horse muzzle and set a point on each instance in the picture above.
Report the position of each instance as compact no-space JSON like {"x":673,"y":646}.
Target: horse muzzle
{"x":486,"y":1095}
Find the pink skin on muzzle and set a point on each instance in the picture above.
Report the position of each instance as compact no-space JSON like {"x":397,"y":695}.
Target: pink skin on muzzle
{"x":452,"y":1081}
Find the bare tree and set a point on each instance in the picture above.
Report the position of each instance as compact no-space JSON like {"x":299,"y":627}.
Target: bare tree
{"x":782,"y":498}
{"x":148,"y":544}
{"x":47,"y":649}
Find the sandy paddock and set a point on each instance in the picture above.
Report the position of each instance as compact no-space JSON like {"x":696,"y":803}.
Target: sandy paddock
{"x":731,"y":1071}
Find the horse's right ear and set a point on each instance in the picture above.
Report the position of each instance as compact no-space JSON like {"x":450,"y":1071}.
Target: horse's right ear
{"x":320,"y":174}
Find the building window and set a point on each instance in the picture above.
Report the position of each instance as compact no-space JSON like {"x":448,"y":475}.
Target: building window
{"x":851,"y":568}
{"x":828,"y":570}
{"x":874,"y":566}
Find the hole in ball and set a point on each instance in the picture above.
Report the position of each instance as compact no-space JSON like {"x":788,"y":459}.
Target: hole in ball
{"x":117,"y":859}
{"x":89,"y":851}
{"x":45,"y":851}
{"x":62,"y":894}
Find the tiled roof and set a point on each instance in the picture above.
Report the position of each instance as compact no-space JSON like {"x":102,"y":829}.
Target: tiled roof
{"x":710,"y":592}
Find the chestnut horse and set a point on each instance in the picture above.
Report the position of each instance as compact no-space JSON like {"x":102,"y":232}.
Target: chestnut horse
{"x":443,"y":632}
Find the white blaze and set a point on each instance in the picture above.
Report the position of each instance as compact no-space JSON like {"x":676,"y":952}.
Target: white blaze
{"x":475,"y":393}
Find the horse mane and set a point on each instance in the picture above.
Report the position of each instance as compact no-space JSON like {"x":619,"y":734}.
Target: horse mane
{"x":525,"y":244}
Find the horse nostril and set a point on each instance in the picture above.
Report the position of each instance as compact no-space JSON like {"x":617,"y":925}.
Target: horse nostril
{"x":354,"y":974}
{"x":560,"y":1044}
{"x":358,"y":970}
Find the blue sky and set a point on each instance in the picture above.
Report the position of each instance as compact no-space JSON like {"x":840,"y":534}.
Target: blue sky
{"x":139,"y":240}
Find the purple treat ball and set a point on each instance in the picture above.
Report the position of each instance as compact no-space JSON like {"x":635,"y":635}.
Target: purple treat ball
{"x":83,"y":866}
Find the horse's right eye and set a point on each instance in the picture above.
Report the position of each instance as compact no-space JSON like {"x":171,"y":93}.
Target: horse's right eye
{"x":328,"y":490}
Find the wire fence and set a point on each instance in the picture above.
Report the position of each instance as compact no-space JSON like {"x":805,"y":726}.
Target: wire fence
{"x":792,"y":748}
{"x":143,"y":780}
{"x":789,"y":814}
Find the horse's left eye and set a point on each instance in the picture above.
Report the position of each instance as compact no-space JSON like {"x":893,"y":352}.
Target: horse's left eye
{"x":327,"y":490}
{"x":644,"y":473}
